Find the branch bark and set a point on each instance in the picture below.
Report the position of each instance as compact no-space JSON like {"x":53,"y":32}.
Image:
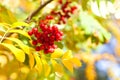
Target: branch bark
{"x":36,"y":11}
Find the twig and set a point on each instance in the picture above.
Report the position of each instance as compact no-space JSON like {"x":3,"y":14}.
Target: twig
{"x":36,"y":11}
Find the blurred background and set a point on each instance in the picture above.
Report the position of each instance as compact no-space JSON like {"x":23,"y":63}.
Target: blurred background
{"x":92,"y":33}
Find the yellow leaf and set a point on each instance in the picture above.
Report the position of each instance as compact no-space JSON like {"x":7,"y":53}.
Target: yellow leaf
{"x":46,"y":68}
{"x":6,"y":15}
{"x":38,"y":63}
{"x":68,"y":65}
{"x":57,"y":67}
{"x":19,"y":54}
{"x":76,"y":61}
{"x":31,"y":60}
{"x":20,"y":32}
{"x":67,"y":55}
{"x":57,"y":53}
{"x":19,"y":24}
{"x":5,"y":25}
{"x":21,"y":45}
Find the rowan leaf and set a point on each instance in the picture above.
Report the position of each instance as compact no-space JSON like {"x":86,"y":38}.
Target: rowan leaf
{"x":31,"y":60}
{"x":19,"y":54}
{"x":68,"y":65}
{"x":57,"y":53}
{"x":67,"y":55}
{"x":6,"y":15}
{"x":76,"y":61}
{"x":38,"y":63}
{"x":24,"y":47}
{"x":66,"y":60}
{"x":20,"y":32}
{"x":19,"y":24}
{"x":57,"y":67}
{"x":2,"y":30}
{"x":4,"y":26}
{"x":46,"y":68}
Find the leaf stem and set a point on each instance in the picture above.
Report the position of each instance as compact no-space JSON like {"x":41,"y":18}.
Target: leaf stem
{"x":1,"y":40}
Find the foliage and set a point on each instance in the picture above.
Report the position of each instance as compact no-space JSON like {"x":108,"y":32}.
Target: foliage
{"x":83,"y":31}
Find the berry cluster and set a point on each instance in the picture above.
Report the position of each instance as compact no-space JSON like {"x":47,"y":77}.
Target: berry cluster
{"x":45,"y":36}
{"x":65,"y":12}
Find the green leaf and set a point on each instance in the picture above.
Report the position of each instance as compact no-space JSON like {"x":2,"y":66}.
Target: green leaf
{"x":100,"y":36}
{"x":24,"y":47}
{"x":19,"y":54}
{"x":20,"y":32}
{"x":59,"y":44}
{"x":90,"y":24}
{"x":112,"y":1}
{"x":19,"y":24}
{"x":106,"y":34}
{"x":98,"y":3}
{"x":84,"y":4}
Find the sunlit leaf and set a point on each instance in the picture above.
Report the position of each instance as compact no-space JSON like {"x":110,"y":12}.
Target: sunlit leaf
{"x":6,"y":15}
{"x":19,"y":24}
{"x":76,"y":62}
{"x":67,"y":55}
{"x":2,"y":30}
{"x":31,"y":60}
{"x":68,"y":65}
{"x":57,"y":67}
{"x":5,"y":25}
{"x":20,"y":32}
{"x":57,"y":53}
{"x":24,"y":47}
{"x":19,"y":54}
{"x":46,"y":68}
{"x":66,"y":60}
{"x":38,"y":63}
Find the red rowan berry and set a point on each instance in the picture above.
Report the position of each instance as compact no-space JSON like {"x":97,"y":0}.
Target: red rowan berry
{"x":34,"y":42}
{"x":30,"y":33}
{"x":49,"y":17}
{"x":37,"y":48}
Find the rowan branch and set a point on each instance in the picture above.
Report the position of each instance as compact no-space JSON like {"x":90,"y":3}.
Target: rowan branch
{"x":36,"y":11}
